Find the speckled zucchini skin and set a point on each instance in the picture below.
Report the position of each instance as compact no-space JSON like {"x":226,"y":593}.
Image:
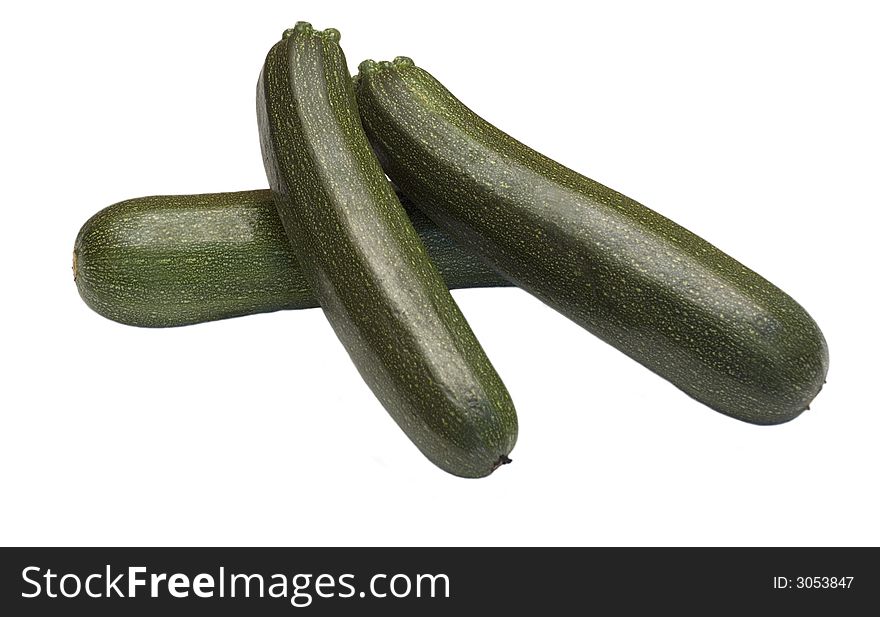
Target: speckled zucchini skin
{"x":370,"y":272}
{"x":176,"y":260}
{"x":662,"y":295}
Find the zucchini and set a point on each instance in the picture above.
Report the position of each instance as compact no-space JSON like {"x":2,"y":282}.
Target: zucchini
{"x":176,"y":260}
{"x":366,"y":265}
{"x":665,"y":297}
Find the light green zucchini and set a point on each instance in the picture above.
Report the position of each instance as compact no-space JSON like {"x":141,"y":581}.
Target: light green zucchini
{"x":175,"y":260}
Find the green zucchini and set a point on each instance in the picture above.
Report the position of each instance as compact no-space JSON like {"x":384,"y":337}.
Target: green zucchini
{"x":370,"y":272}
{"x":175,"y":260}
{"x":657,"y":292}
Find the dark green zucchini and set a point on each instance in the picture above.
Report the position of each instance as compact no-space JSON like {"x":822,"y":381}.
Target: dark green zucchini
{"x":370,"y":272}
{"x":662,"y":295}
{"x":175,"y":260}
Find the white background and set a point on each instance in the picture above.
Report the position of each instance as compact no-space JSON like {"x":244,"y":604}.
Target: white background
{"x":755,"y":125}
